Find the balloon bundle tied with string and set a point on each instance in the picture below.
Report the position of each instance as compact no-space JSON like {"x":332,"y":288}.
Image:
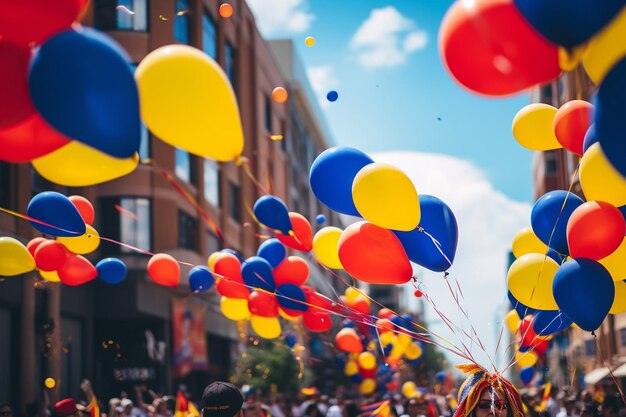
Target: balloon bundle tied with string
{"x":477,"y":381}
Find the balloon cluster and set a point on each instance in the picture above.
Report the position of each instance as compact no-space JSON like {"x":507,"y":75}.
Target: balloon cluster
{"x":398,"y":227}
{"x":69,"y":220}
{"x":53,"y":111}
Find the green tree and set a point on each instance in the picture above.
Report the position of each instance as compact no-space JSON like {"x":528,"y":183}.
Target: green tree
{"x":268,"y":364}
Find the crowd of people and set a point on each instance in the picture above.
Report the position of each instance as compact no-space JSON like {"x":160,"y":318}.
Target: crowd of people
{"x":487,"y":401}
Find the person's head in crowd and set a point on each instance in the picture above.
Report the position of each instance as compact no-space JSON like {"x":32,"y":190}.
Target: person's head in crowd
{"x":416,"y":406}
{"x":222,"y":399}
{"x":352,"y":410}
{"x":324,"y":399}
{"x":5,"y":410}
{"x":589,"y":409}
{"x":66,"y":408}
{"x":160,"y":406}
{"x":127,"y":406}
{"x":249,"y":394}
{"x":312,"y":411}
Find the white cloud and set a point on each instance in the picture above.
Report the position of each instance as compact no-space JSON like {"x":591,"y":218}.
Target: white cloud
{"x":274,"y":16}
{"x":487,"y":221}
{"x":322,"y":80}
{"x":386,"y":38}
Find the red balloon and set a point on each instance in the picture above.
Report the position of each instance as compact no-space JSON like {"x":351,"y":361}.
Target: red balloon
{"x":291,"y":313}
{"x":302,"y":239}
{"x":526,"y":332}
{"x":164,"y":270}
{"x":490,"y":49}
{"x":385,"y":313}
{"x":33,"y":21}
{"x":15,"y":103}
{"x":361,"y":304}
{"x":595,"y":230}
{"x":348,"y":341}
{"x":84,"y":207}
{"x":540,"y":346}
{"x":384,"y":326}
{"x":230,"y":282}
{"x":320,"y":322}
{"x":571,"y":123}
{"x":262,"y":304}
{"x":29,"y":139}
{"x":292,"y":270}
{"x":368,"y":373}
{"x":50,"y":255}
{"x":373,"y":254}
{"x":77,"y":270}
{"x":318,"y":305}
{"x":34,"y":244}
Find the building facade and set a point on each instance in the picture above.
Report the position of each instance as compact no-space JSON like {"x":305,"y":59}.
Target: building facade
{"x":123,"y":336}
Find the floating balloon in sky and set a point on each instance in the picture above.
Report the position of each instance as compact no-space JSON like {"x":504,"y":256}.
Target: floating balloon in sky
{"x":309,"y":41}
{"x":332,"y":96}
{"x":280,"y":95}
{"x":226,"y":10}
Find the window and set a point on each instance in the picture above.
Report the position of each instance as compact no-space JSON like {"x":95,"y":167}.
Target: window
{"x":144,"y":144}
{"x":5,"y":185}
{"x":183,"y":165}
{"x":550,"y":161}
{"x":211,"y":182}
{"x":181,"y":21}
{"x":622,"y":333}
{"x":268,"y":115}
{"x":590,"y":347}
{"x":128,"y":220}
{"x":283,"y":131}
{"x":230,"y":62}
{"x":213,"y":243}
{"x":209,"y":36}
{"x":234,"y":201}
{"x":187,"y":231}
{"x":38,"y":183}
{"x":121,"y":15}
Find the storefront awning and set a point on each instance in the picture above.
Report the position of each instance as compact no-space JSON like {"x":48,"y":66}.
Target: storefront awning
{"x":596,"y":375}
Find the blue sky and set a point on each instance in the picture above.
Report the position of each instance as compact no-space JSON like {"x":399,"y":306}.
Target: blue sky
{"x":394,"y":93}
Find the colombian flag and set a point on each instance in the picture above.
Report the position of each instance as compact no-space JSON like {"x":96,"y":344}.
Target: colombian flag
{"x":380,"y":409}
{"x":185,"y":408}
{"x":93,"y":408}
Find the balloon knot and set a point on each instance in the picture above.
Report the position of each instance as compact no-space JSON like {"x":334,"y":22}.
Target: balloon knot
{"x":593,"y":333}
{"x":446,"y":274}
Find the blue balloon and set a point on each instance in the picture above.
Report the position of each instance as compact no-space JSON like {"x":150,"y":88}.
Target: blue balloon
{"x":610,"y":116}
{"x":440,"y":376}
{"x":584,"y":291}
{"x":348,"y":323}
{"x":356,"y":378}
{"x":320,"y":219}
{"x":200,"y":278}
{"x":549,"y":218}
{"x":111,"y":270}
{"x":234,"y":252}
{"x":590,"y":137}
{"x":272,"y":251}
{"x":257,"y":273}
{"x":559,"y":258}
{"x":332,"y":96}
{"x":273,"y":213}
{"x":527,"y":374}
{"x":549,"y":322}
{"x":521,"y":309}
{"x":566,"y":22}
{"x":438,"y":221}
{"x":622,"y":209}
{"x":58,"y":212}
{"x":292,"y":297}
{"x":291,"y":339}
{"x":332,"y":174}
{"x":82,"y":83}
{"x":397,"y":320}
{"x":387,"y":349}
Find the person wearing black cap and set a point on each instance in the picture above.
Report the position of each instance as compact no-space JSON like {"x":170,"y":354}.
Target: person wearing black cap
{"x":222,"y":399}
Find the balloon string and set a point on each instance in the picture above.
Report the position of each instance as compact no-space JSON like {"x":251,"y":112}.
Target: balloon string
{"x":244,"y":163}
{"x":617,"y":384}
{"x":32,"y":219}
{"x":191,"y":200}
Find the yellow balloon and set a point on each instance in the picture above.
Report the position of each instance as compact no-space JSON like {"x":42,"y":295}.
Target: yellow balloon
{"x":351,"y":294}
{"x":530,"y":281}
{"x":15,"y":259}
{"x":408,"y":389}
{"x":404,"y":341}
{"x":50,"y":276}
{"x":414,"y":351}
{"x":188,"y":102}
{"x":78,"y":165}
{"x":619,"y":302}
{"x":212,"y":259}
{"x":49,"y":383}
{"x":325,"y":245}
{"x":525,"y":241}
{"x":526,"y":359}
{"x":387,"y":337}
{"x":287,"y":316}
{"x":599,"y":180}
{"x":367,"y":360}
{"x":367,"y":386}
{"x":235,"y":308}
{"x":533,"y":127}
{"x":606,"y":48}
{"x":385,"y":196}
{"x":351,"y":368}
{"x":309,"y":41}
{"x":84,"y":244}
{"x":512,"y":321}
{"x":266,"y":327}
{"x":615,"y":263}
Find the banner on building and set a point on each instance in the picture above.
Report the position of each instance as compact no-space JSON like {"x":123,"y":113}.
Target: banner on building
{"x":190,"y":350}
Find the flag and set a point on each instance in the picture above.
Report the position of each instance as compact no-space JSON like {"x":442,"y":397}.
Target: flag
{"x":184,"y":407}
{"x":93,"y":408}
{"x":380,"y":409}
{"x":546,"y":396}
